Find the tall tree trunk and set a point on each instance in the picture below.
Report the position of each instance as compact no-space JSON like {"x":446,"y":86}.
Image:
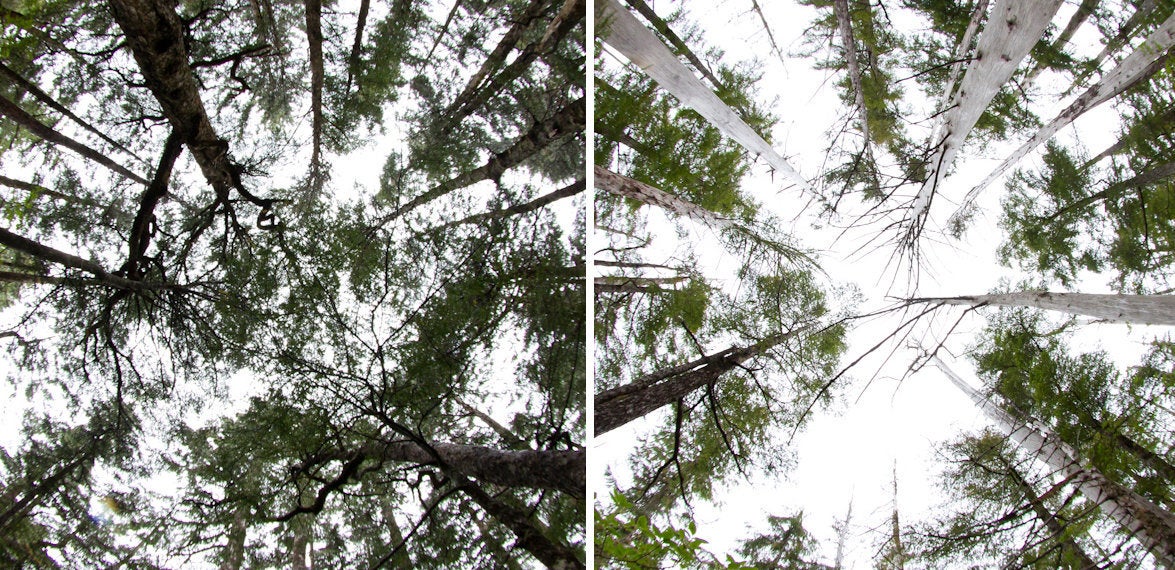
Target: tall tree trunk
{"x":46,"y":253}
{"x":563,"y":471}
{"x":1079,"y":17}
{"x":626,"y":187}
{"x":631,"y":38}
{"x":567,"y":122}
{"x":155,"y":34}
{"x":1011,"y":31}
{"x":108,"y":210}
{"x":1151,"y":127}
{"x":302,"y":527}
{"x":1155,"y":174}
{"x":234,"y":550}
{"x":1135,"y":309}
{"x":357,"y":48}
{"x":572,"y":189}
{"x":845,"y":26}
{"x":1047,"y":518}
{"x":530,"y":535}
{"x":684,"y":50}
{"x":1144,"y":61}
{"x":1120,"y":39}
{"x":22,"y":118}
{"x":1153,"y":526}
{"x":314,"y":39}
{"x":520,"y":23}
{"x":617,"y":406}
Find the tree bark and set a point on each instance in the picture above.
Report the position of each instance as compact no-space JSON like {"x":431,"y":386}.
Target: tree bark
{"x":1153,"y":526}
{"x":1144,"y":61}
{"x":1079,"y":17}
{"x":623,"y":32}
{"x":1135,"y":309}
{"x":554,"y":555}
{"x":568,"y":122}
{"x":46,"y":253}
{"x":155,"y":36}
{"x":617,"y":406}
{"x":520,"y":24}
{"x":314,"y":39}
{"x":1047,"y":517}
{"x":563,"y":471}
{"x":845,"y":26}
{"x":234,"y":550}
{"x":663,"y":28}
{"x":357,"y":48}
{"x":22,"y":118}
{"x":626,"y":187}
{"x":1011,"y":31}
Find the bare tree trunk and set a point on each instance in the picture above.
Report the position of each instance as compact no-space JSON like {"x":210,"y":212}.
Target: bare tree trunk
{"x":663,"y":28}
{"x":32,"y":89}
{"x":1162,"y":124}
{"x":572,"y":189}
{"x":357,"y":48}
{"x":643,"y":49}
{"x":22,"y":118}
{"x":1079,"y":17}
{"x":568,"y":122}
{"x":1153,"y":526}
{"x":626,"y":187}
{"x":1011,"y":31}
{"x":234,"y":556}
{"x":845,"y":26}
{"x":530,"y":535}
{"x":563,"y":471}
{"x":1135,"y":309}
{"x":1046,"y":517}
{"x":46,"y":253}
{"x":520,"y":24}
{"x":1140,"y":64}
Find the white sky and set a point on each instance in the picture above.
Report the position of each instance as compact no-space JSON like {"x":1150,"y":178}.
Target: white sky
{"x":851,"y":456}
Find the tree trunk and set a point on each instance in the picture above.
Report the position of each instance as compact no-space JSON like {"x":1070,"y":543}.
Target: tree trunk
{"x":314,"y":39}
{"x":1079,"y":17}
{"x":623,"y":32}
{"x":1153,"y":526}
{"x":530,"y":536}
{"x":43,"y":131}
{"x":46,"y":253}
{"x":32,"y":89}
{"x":626,"y":187}
{"x":1047,"y":518}
{"x":1156,"y":174}
{"x":682,"y":49}
{"x":1151,"y":127}
{"x":234,"y":551}
{"x":617,"y":406}
{"x":844,"y":25}
{"x":1119,"y":40}
{"x":1135,"y":309}
{"x":1144,"y":61}
{"x":1011,"y":31}
{"x":155,"y":36}
{"x":567,"y":122}
{"x":520,"y":24}
{"x":572,"y":189}
{"x":563,"y":471}
{"x":357,"y":48}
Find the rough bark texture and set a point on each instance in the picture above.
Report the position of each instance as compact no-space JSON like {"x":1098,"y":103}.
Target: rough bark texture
{"x":155,"y":36}
{"x":626,"y":187}
{"x":618,"y":406}
{"x":1011,"y":31}
{"x":1136,"y":309}
{"x":1140,"y":64}
{"x":563,"y":471}
{"x":530,"y":537}
{"x":643,"y":49}
{"x":1083,"y":12}
{"x":520,"y":24}
{"x":22,"y":118}
{"x":1151,"y":525}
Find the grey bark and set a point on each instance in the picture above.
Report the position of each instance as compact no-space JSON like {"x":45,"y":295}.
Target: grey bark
{"x":1135,"y":309}
{"x":626,"y":187}
{"x":632,"y":39}
{"x":1140,"y":64}
{"x":1151,"y":525}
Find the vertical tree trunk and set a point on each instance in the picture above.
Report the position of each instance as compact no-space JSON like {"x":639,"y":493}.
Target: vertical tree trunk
{"x":314,"y":39}
{"x":1153,"y":526}
{"x":845,"y":26}
{"x":234,"y":550}
{"x":623,"y":32}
